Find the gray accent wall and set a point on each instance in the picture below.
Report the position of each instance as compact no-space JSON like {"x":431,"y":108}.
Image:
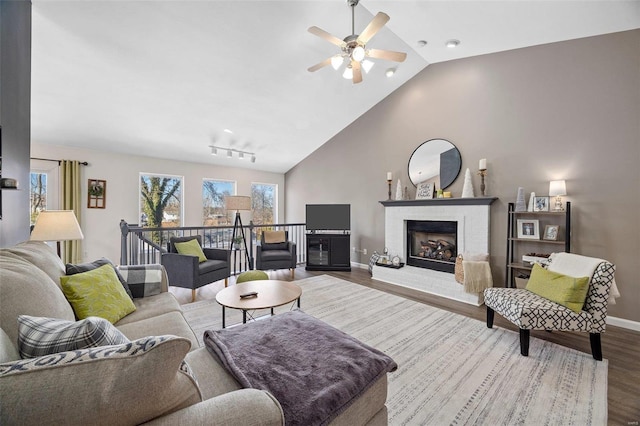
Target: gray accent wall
{"x":567,"y":110}
{"x":15,"y":116}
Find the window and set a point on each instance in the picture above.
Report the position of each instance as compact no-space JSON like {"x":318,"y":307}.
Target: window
{"x":160,"y":201}
{"x":37,"y":195}
{"x":214,"y":212}
{"x":263,"y":203}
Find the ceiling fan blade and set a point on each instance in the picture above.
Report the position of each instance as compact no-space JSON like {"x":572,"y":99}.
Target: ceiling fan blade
{"x":322,"y":64}
{"x":325,"y":35}
{"x":374,"y":26}
{"x":357,"y":72}
{"x":389,"y":55}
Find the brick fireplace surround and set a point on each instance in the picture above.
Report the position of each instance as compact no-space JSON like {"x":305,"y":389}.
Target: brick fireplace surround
{"x":473,"y":217}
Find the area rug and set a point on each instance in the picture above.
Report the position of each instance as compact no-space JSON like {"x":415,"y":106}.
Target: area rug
{"x":452,"y":370}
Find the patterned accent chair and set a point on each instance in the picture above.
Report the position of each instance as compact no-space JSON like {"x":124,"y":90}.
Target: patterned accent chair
{"x":532,"y":312}
{"x":186,"y":272}
{"x":276,"y":252}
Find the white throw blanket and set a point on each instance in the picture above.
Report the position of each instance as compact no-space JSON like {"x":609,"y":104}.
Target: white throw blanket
{"x":577,"y":266}
{"x":477,"y":276}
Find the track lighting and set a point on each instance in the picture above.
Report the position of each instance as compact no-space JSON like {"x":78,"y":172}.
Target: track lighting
{"x":241,"y":154}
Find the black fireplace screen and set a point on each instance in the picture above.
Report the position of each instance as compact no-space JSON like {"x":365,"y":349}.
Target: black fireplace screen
{"x":432,"y":244}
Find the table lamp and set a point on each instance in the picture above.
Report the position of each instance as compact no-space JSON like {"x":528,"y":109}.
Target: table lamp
{"x":56,"y":225}
{"x":557,"y":188}
{"x":237,"y":203}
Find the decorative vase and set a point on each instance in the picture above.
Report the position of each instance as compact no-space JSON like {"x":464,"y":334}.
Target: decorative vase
{"x":531,"y":198}
{"x":520,"y":205}
{"x":399,"y":191}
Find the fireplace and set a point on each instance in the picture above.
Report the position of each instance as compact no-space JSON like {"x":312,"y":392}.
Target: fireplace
{"x":432,"y":244}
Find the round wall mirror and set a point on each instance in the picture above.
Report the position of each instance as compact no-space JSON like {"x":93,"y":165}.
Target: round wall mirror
{"x":436,"y":160}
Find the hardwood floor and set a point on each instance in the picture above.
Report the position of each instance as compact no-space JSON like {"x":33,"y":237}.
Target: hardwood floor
{"x":620,"y":346}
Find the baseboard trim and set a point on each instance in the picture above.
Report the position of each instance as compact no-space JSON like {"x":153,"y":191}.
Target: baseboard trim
{"x":624,"y":323}
{"x":359,"y":265}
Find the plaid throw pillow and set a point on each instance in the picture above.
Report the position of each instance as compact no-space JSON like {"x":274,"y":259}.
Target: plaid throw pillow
{"x":143,"y":280}
{"x":44,"y":336}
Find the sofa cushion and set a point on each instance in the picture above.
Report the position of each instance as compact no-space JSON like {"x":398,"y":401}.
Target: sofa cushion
{"x":191,"y":248}
{"x":170,"y":323}
{"x":41,"y":336}
{"x":97,"y":293}
{"x":26,"y":289}
{"x":211,"y":265}
{"x":152,"y":306}
{"x":41,"y":256}
{"x":8,"y":350}
{"x":126,"y":384}
{"x":276,"y":255}
{"x":563,"y":289}
{"x":72,"y":269}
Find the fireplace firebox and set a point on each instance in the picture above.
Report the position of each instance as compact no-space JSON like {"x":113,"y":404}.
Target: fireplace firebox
{"x":432,"y":244}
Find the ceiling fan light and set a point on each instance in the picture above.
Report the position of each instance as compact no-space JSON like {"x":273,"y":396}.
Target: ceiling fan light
{"x":229,"y":153}
{"x":214,"y":150}
{"x":348,"y":73}
{"x":390,"y":72}
{"x":253,"y":158}
{"x":367,"y":65}
{"x":241,"y":156}
{"x":337,"y":61}
{"x":452,"y":43}
{"x":358,"y":54}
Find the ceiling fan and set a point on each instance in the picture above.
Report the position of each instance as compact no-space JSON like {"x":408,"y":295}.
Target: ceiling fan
{"x":354,"y":46}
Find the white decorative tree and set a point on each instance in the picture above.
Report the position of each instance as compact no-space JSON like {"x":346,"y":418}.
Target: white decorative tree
{"x":399,"y":191}
{"x":520,"y":205}
{"x":467,"y":189}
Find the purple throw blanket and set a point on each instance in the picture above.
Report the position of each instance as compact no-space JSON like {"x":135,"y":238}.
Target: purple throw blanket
{"x":314,"y":370}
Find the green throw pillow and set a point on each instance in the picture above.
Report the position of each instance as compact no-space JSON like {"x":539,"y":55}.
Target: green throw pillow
{"x":192,"y":248}
{"x":97,"y":293}
{"x":563,"y":289}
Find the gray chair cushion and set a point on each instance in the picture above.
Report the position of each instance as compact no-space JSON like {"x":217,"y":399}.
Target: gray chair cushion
{"x":275,"y":246}
{"x":211,"y":265}
{"x":276,"y":255}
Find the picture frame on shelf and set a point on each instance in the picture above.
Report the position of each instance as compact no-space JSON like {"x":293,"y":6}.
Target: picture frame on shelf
{"x":528,"y":229}
{"x":425,"y":190}
{"x":541,"y":204}
{"x":551,"y":232}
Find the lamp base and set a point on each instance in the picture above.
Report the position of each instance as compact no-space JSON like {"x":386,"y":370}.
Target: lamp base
{"x":558,"y":207}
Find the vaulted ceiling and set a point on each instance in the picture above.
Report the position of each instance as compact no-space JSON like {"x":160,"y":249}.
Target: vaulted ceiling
{"x":166,"y":78}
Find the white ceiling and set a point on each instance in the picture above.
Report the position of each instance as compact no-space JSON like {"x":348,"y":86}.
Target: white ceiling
{"x":165,"y":78}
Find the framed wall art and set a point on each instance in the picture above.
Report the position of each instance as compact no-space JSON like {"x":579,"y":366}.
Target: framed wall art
{"x":528,"y":229}
{"x":424,"y":190}
{"x":96,"y":194}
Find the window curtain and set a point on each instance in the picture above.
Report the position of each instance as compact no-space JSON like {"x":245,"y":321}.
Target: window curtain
{"x":70,"y":196}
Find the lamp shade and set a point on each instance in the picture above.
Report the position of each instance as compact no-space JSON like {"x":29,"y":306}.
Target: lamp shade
{"x":237,"y":202}
{"x":56,"y":225}
{"x":557,"y":187}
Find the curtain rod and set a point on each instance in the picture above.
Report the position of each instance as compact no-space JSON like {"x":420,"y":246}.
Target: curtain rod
{"x":84,"y":163}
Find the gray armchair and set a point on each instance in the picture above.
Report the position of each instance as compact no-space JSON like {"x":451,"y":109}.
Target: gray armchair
{"x":187,"y":272}
{"x":276,"y":255}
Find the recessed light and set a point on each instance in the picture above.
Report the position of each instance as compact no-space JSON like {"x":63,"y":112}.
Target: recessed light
{"x":228,"y":131}
{"x":390,"y":72}
{"x":422,"y":43}
{"x":452,"y":43}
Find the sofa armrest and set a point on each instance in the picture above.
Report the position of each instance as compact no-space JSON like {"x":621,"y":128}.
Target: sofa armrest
{"x":145,"y":280}
{"x":217,"y":254}
{"x":242,"y":407}
{"x":180,"y":267}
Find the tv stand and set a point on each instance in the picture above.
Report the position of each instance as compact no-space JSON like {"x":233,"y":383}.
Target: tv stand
{"x":328,"y":252}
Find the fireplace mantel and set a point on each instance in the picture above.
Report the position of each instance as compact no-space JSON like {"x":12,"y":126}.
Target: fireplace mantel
{"x":476,"y":201}
{"x":473,"y":218}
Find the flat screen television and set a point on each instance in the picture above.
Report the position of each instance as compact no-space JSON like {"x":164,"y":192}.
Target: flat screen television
{"x":328,"y":217}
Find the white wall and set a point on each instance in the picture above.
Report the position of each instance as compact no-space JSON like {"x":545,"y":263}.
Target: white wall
{"x":101,"y":226}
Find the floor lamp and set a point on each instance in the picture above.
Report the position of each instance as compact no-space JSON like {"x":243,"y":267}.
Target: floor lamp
{"x":237,"y":203}
{"x":56,"y":225}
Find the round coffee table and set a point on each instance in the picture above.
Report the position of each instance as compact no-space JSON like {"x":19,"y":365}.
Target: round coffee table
{"x":271,"y":293}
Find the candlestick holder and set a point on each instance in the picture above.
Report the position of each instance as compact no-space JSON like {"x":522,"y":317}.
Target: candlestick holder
{"x":482,"y":173}
{"x":389,"y":183}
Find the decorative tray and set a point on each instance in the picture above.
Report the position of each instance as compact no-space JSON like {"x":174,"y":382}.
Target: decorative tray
{"x":390,"y":265}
